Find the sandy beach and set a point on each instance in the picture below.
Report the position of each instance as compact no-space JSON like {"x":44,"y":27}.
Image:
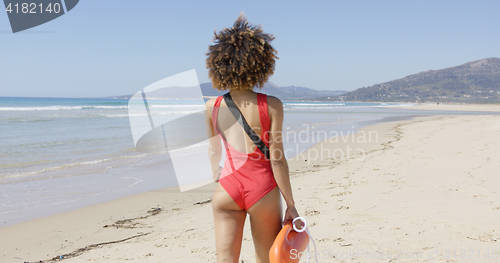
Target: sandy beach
{"x":421,"y":190}
{"x":456,"y":107}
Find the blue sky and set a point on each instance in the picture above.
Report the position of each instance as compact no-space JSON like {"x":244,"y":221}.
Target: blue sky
{"x":116,"y":47}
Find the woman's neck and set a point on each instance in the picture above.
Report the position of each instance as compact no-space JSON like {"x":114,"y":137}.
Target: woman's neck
{"x":245,"y":92}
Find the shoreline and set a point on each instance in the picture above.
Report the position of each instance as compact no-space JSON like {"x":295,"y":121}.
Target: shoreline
{"x":41,"y":212}
{"x":34,"y":210}
{"x":342,"y":199}
{"x":120,"y":219}
{"x":454,"y":107}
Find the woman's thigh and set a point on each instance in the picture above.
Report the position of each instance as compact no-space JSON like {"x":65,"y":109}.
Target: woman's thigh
{"x":229,"y":220}
{"x":265,"y":219}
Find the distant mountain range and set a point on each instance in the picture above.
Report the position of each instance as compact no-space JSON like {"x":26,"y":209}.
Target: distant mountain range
{"x":283,"y":93}
{"x":473,"y":82}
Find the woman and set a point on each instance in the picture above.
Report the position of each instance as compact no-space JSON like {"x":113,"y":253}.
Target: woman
{"x":255,"y":169}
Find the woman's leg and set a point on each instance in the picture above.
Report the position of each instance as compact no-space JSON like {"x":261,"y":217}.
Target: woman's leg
{"x":265,"y":219}
{"x":229,"y":220}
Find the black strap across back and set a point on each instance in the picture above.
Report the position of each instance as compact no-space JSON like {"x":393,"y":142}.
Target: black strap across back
{"x":241,"y":120}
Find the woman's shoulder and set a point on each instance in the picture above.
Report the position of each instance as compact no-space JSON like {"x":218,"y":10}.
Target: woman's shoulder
{"x":274,"y":103}
{"x":210,"y":102}
{"x":274,"y":106}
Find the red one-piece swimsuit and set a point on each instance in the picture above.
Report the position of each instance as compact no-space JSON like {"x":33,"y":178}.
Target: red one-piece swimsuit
{"x":247,"y":177}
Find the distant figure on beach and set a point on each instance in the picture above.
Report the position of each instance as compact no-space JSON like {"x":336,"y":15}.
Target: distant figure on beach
{"x":250,"y":127}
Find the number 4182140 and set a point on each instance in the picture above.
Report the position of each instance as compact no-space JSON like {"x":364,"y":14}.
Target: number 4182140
{"x":32,"y":8}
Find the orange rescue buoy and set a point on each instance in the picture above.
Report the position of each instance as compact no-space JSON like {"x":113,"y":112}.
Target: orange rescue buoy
{"x":288,"y":245}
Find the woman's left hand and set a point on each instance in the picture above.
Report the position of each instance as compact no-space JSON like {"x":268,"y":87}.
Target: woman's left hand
{"x":290,"y":214}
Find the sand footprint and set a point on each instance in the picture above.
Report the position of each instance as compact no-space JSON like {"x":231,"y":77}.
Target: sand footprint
{"x":343,"y":193}
{"x":312,"y":212}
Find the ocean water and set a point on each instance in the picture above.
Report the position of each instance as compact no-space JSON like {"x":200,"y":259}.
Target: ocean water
{"x":61,"y":154}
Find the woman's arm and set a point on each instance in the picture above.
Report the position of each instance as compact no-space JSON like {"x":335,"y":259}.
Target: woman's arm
{"x":214,"y":147}
{"x":279,"y":164}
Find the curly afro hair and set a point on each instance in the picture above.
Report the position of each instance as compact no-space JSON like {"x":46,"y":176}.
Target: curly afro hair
{"x":241,"y":58}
